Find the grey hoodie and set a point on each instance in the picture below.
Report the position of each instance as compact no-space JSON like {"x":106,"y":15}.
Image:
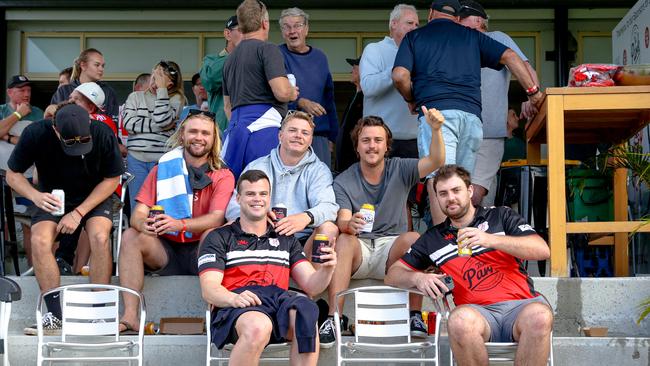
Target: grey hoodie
{"x":306,"y":186}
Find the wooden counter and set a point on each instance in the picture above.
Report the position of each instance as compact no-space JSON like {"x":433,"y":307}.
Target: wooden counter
{"x":585,"y":116}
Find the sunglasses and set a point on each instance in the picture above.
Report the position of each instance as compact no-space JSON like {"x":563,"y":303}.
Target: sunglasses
{"x":76,"y":140}
{"x":196,"y":112}
{"x":168,"y":67}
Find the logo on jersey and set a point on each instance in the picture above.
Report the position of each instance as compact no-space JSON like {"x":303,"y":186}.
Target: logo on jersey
{"x":526,"y":227}
{"x":449,"y":236}
{"x":242,"y":242}
{"x":207,"y":258}
{"x":274,"y":242}
{"x":480,"y":276}
{"x":484,"y":226}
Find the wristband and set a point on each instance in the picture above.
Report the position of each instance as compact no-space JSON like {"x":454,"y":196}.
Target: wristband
{"x":532,"y":90}
{"x":18,"y":115}
{"x":78,"y":212}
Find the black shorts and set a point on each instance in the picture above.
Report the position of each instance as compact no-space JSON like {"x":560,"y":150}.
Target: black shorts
{"x":181,"y":259}
{"x":104,"y":209}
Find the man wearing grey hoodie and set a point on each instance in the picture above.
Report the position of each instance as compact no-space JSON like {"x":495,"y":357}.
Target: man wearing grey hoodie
{"x":299,"y":181}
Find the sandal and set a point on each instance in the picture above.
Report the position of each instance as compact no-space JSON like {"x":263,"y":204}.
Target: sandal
{"x":128,"y":328}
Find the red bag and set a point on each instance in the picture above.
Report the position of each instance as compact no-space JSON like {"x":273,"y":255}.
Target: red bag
{"x":593,"y":75}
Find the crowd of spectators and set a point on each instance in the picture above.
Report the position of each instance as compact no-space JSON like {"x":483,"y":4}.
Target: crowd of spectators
{"x":240,"y":189}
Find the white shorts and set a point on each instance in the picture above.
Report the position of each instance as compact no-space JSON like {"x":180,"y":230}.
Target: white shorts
{"x":374,"y":254}
{"x":488,"y":162}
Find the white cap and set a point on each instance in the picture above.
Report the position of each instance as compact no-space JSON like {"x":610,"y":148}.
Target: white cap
{"x":93,"y":92}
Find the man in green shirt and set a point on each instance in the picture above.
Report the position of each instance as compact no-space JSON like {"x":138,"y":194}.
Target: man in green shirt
{"x":212,"y":72}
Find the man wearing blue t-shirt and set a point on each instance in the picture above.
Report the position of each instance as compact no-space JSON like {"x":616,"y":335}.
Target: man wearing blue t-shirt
{"x":309,"y":65}
{"x":439,"y":66}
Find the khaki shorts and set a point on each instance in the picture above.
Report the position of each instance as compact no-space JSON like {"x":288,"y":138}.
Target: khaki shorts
{"x":374,"y":254}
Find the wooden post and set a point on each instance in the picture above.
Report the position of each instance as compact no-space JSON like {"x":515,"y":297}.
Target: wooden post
{"x":621,"y":266}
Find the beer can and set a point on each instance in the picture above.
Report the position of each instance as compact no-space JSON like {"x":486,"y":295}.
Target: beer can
{"x":292,"y":79}
{"x":85,"y":270}
{"x":431,"y":323}
{"x":280,"y":211}
{"x":368,"y":212}
{"x":320,"y":241}
{"x":60,"y":194}
{"x":464,"y":251}
{"x":156,"y":210}
{"x":151,"y":328}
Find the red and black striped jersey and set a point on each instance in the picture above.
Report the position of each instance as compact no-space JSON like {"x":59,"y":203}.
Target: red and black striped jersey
{"x":247,"y":259}
{"x":487,"y":276}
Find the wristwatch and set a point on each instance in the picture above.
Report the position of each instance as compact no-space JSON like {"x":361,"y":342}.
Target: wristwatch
{"x":311,"y":218}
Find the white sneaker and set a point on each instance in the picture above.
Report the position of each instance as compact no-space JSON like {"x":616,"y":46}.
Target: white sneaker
{"x":51,"y":326}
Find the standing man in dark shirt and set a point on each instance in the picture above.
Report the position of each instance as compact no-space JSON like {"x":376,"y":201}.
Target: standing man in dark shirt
{"x":495,"y":297}
{"x":256,"y":90}
{"x":439,"y":66}
{"x":345,"y":155}
{"x":80,"y":157}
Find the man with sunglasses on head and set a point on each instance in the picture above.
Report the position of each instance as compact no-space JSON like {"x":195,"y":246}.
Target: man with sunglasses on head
{"x":309,"y":66}
{"x":80,"y":157}
{"x":256,"y":90}
{"x":167,"y":243}
{"x":212,"y":71}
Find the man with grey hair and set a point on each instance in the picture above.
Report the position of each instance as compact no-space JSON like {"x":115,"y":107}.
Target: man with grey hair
{"x":380,"y":98}
{"x":494,"y":98}
{"x":309,"y":65}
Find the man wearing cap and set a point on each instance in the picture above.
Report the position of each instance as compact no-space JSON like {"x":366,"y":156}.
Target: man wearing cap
{"x":256,"y":90}
{"x":345,"y":155}
{"x":211,"y":73}
{"x":380,"y":98}
{"x":439,"y":66}
{"x":200,"y":96}
{"x":494,"y":99}
{"x":310,"y":67}
{"x":16,"y":115}
{"x":80,"y":157}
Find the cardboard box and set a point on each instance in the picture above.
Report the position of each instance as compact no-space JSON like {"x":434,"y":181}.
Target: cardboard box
{"x":184,"y":326}
{"x":595,"y":331}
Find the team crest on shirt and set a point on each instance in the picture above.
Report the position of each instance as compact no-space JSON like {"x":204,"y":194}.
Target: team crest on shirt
{"x":274,"y":242}
{"x":484,"y":226}
{"x":526,"y":227}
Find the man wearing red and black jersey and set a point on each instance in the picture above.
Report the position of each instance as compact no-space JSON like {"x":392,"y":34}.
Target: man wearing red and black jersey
{"x":496,"y":298}
{"x":244,"y":270}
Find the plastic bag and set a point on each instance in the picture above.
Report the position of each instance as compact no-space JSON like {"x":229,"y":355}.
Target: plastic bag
{"x":593,"y":75}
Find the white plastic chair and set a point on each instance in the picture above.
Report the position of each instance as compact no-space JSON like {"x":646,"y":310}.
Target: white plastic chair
{"x":90,"y":324}
{"x":223,"y":355}
{"x":382,"y":326}
{"x":120,"y":220}
{"x":9,"y":292}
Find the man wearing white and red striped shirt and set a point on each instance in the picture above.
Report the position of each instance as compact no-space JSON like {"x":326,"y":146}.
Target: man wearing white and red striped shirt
{"x":244,"y":270}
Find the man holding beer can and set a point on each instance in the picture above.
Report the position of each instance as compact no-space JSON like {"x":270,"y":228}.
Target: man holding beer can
{"x":495,"y":297}
{"x":372,"y":215}
{"x":79,"y":158}
{"x":303,"y":202}
{"x":163,"y":239}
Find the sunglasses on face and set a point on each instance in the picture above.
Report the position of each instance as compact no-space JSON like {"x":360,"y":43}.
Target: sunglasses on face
{"x":76,"y":140}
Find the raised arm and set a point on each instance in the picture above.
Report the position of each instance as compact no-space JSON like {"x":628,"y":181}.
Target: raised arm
{"x":436,"y":157}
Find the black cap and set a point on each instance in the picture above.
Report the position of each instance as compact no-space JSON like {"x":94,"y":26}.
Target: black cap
{"x":450,"y":7}
{"x":18,"y":81}
{"x":471,"y":7}
{"x":353,"y":61}
{"x":73,"y":124}
{"x":232,"y":22}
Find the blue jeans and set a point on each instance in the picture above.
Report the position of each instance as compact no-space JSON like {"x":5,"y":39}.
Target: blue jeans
{"x":140,"y":170}
{"x":462,"y":133}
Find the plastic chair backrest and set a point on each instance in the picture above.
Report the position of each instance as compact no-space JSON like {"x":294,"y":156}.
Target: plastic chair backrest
{"x":382,"y":314}
{"x":90,"y":313}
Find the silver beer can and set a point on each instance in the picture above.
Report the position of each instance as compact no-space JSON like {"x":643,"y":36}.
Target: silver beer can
{"x":60,"y":194}
{"x":292,"y":79}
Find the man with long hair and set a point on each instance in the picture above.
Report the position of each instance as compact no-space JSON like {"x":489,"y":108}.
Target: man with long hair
{"x":193,"y":186}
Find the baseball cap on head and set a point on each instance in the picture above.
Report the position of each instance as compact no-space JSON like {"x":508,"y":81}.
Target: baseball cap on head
{"x":73,"y":124}
{"x":450,"y":7}
{"x":471,"y":7}
{"x":17,"y":81}
{"x":93,"y":92}
{"x":353,"y":61}
{"x":232,"y":22}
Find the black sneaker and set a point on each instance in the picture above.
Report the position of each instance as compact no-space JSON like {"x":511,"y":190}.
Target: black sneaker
{"x":418,"y":328}
{"x":64,"y":268}
{"x":327,"y":334}
{"x":51,"y":326}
